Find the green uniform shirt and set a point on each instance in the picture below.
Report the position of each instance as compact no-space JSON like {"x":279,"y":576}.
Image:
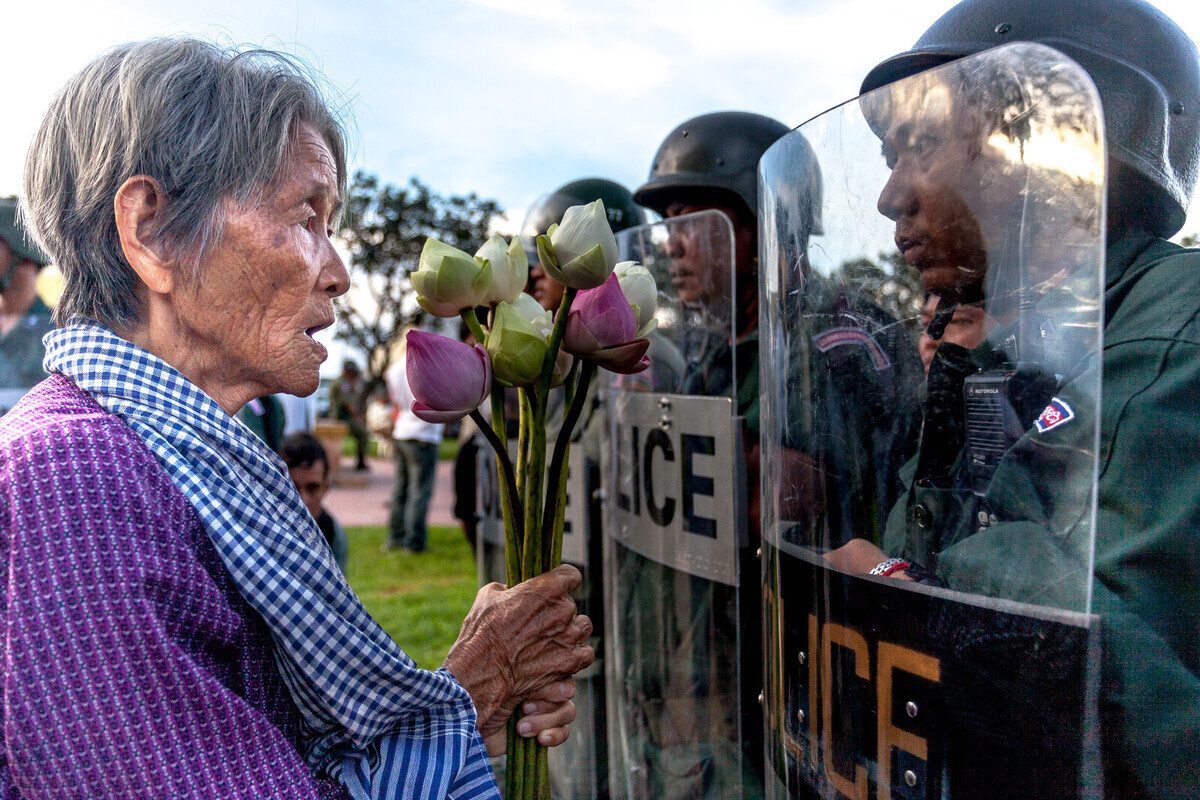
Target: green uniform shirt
{"x":1147,"y":553}
{"x":21,"y":350}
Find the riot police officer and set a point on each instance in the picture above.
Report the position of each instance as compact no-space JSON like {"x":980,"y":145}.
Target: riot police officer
{"x":1146,"y":566}
{"x":684,"y":712}
{"x":683,"y":628}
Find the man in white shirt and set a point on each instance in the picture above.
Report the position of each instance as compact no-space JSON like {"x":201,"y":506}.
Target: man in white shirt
{"x":416,"y":466}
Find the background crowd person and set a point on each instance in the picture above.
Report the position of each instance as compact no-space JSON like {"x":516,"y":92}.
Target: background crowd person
{"x":138,"y":518}
{"x":381,"y":417}
{"x":299,"y":413}
{"x":308,"y":467}
{"x":347,"y":403}
{"x":416,"y":443}
{"x":24,"y":316}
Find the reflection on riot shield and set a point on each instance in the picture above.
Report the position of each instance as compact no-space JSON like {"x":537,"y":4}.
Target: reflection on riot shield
{"x":683,"y":720}
{"x":579,"y":766}
{"x":928,"y":581}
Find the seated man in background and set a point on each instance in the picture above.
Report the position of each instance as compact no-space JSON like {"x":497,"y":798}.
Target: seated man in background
{"x":308,"y":467}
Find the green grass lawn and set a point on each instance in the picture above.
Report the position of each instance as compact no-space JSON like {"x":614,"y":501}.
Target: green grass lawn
{"x":420,"y":600}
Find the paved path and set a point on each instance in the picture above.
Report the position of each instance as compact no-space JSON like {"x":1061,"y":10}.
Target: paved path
{"x":368,"y":505}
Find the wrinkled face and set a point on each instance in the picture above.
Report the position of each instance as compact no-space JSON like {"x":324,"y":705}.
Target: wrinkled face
{"x":268,"y":284}
{"x":312,"y":482}
{"x":951,"y":191}
{"x":968,"y":327}
{"x":699,"y":251}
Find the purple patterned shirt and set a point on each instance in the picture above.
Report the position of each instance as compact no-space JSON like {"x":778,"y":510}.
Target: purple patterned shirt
{"x":132,"y":667}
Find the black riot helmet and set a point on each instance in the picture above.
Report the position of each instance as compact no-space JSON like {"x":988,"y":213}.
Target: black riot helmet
{"x":548,"y":210}
{"x":717,"y":152}
{"x":1145,"y":67}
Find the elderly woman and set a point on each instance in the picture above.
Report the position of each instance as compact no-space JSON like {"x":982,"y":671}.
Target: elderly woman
{"x":174,"y":625}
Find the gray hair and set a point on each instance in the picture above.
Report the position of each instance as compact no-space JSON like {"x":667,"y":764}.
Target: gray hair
{"x":208,"y":123}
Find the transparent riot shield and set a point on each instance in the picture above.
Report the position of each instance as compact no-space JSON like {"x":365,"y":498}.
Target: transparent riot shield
{"x":579,"y":766}
{"x":963,"y":220}
{"x":675,"y":533}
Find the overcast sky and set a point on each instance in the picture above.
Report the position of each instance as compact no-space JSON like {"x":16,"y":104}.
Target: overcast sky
{"x":507,"y":98}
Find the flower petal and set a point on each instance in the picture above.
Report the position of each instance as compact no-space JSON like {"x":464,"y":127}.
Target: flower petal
{"x":445,"y":374}
{"x":447,"y":278}
{"x":640,"y":290}
{"x":424,"y":412}
{"x":606,"y":312}
{"x":626,"y":359}
{"x":585,"y":271}
{"x":577,"y":338}
{"x":516,"y":347}
{"x":582,"y":228}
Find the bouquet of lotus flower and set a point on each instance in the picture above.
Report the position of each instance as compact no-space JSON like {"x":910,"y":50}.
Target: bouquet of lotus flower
{"x":606,"y":312}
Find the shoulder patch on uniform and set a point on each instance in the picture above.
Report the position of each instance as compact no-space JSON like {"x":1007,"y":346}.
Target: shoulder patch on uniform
{"x":835,"y":337}
{"x":1056,"y":414}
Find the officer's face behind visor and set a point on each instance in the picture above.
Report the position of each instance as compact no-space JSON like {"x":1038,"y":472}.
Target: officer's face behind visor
{"x":950,"y":188}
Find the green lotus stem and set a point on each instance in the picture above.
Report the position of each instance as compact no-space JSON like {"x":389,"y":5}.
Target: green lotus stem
{"x":556,"y":335}
{"x":528,"y":776}
{"x":522,"y":442}
{"x":542,"y":771}
{"x":514,"y":773}
{"x":468,"y":316}
{"x":531,"y":557}
{"x":552,"y":550}
{"x":510,"y":501}
{"x":569,"y":383}
{"x":556,"y":492}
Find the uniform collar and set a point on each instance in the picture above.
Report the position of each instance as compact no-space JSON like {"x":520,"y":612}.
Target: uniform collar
{"x":1123,"y":248}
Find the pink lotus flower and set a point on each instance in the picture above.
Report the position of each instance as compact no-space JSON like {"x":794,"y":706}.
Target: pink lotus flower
{"x":448,"y":378}
{"x":603,"y":328}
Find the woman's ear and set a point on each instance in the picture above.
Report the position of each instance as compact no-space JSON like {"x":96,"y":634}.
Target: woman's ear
{"x":138,"y":206}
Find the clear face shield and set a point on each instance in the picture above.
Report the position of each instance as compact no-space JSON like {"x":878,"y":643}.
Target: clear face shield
{"x":674,"y":528}
{"x":931,"y":394}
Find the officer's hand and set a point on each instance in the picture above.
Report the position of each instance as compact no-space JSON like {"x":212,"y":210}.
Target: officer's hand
{"x":515,"y":642}
{"x":546,"y":716}
{"x":859,"y":556}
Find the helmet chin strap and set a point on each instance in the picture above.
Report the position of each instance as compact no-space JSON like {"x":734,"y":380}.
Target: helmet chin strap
{"x":936,"y":328}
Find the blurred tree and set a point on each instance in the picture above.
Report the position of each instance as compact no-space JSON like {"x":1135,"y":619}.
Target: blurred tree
{"x":890,"y":283}
{"x":1191,"y":241}
{"x":384,"y":229}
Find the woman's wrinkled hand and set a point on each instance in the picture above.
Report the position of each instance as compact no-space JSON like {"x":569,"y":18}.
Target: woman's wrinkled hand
{"x":515,"y":644}
{"x":546,"y":716}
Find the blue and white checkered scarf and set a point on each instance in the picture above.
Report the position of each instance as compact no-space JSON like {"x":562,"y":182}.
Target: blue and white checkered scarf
{"x":371,"y":718}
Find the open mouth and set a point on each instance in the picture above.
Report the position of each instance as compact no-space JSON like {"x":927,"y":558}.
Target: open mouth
{"x":310,"y":332}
